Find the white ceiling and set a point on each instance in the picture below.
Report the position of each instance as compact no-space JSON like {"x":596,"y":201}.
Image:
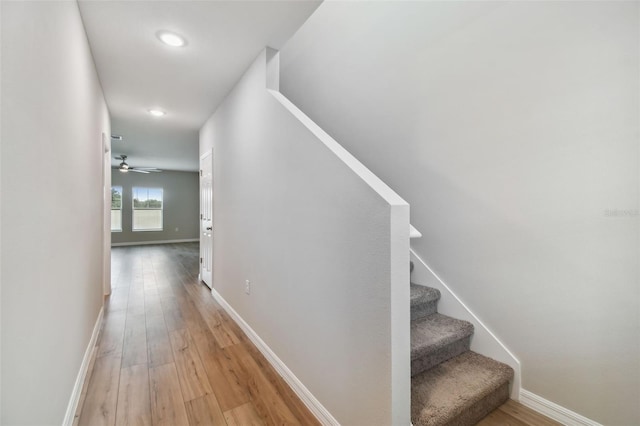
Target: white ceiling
{"x":138,"y":72}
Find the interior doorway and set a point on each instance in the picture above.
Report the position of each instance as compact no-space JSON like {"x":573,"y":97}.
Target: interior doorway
{"x":106,"y":197}
{"x":206,"y":218}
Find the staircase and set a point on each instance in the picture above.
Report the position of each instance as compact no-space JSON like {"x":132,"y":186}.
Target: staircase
{"x":450,"y":385}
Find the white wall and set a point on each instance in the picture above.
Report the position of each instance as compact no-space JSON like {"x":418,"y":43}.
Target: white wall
{"x":0,"y":221}
{"x":316,"y":241}
{"x":53,"y":115}
{"x":511,"y":128}
{"x":181,"y":209}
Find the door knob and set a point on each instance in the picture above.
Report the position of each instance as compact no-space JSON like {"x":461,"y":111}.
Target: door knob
{"x":209,"y":228}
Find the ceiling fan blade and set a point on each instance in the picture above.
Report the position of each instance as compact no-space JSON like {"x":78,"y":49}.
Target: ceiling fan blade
{"x":138,"y":171}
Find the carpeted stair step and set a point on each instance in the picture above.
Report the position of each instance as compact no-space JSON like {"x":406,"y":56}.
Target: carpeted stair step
{"x":437,"y":338}
{"x":424,"y":301}
{"x":460,"y":391}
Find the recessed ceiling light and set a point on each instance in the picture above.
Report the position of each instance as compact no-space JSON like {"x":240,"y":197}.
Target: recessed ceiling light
{"x":171,"y":39}
{"x":157,"y":112}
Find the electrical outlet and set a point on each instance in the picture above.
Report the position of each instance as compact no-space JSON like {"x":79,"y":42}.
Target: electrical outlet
{"x":247,"y":287}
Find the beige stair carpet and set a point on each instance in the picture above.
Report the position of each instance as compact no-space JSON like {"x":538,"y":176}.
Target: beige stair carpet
{"x":460,"y":391}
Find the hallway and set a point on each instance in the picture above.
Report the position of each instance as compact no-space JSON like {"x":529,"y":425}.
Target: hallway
{"x":168,"y":354}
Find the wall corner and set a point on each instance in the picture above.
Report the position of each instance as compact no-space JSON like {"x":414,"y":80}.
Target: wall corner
{"x":400,"y":315}
{"x":273,"y":69}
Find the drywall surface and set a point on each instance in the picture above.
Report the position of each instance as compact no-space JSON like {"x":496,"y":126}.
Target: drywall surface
{"x":320,"y":248}
{"x":512,"y":130}
{"x":53,"y":116}
{"x":0,"y":224}
{"x":181,"y":205}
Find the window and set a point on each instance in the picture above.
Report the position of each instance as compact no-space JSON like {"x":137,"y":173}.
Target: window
{"x":116,"y":209}
{"x":147,"y":209}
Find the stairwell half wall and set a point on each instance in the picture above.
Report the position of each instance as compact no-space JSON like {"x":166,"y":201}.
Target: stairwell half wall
{"x":324,"y":245}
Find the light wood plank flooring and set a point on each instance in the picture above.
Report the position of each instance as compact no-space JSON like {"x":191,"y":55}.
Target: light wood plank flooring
{"x":512,"y":413}
{"x":168,"y":354}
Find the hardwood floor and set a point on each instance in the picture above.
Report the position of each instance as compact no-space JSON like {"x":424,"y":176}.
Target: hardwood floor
{"x":512,"y":413}
{"x":168,"y":354}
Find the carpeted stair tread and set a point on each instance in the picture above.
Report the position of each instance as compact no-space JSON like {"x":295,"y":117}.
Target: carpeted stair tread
{"x":423,"y":294}
{"x":435,"y":332}
{"x":460,"y":391}
{"x":424,"y":301}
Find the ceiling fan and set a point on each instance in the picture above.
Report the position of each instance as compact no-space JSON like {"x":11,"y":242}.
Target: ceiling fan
{"x":125,"y":168}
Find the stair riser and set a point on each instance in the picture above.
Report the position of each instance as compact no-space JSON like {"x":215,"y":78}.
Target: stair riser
{"x":482,"y":408}
{"x":424,"y":309}
{"x":440,"y":355}
{"x":450,"y":385}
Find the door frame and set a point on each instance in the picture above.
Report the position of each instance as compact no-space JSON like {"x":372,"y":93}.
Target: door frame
{"x":106,"y":209}
{"x":207,"y":153}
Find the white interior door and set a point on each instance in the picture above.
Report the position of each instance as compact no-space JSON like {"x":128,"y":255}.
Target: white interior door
{"x":206,"y":218}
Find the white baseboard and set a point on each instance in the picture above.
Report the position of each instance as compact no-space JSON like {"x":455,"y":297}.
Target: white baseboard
{"x":145,"y":243}
{"x":318,"y":410}
{"x":82,"y":374}
{"x":553,"y":410}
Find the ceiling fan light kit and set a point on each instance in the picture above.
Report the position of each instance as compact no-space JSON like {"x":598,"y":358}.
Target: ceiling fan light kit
{"x":125,"y":168}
